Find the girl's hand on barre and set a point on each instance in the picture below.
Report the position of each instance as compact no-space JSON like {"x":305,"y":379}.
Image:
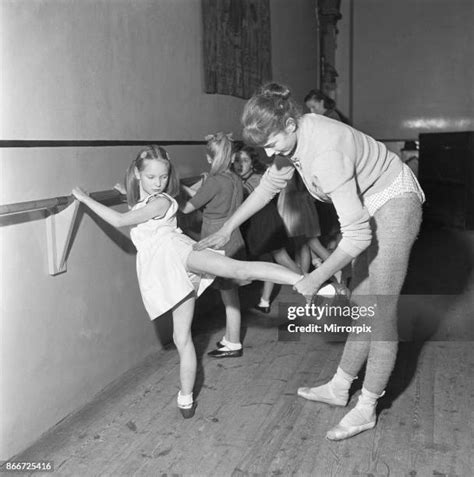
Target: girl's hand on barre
{"x":217,"y":241}
{"x":120,"y":187}
{"x":80,"y":194}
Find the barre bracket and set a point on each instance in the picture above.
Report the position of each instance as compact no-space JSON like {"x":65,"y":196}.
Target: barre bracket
{"x":59,"y":232}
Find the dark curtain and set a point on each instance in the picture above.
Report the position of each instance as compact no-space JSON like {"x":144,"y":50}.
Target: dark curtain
{"x":237,"y":46}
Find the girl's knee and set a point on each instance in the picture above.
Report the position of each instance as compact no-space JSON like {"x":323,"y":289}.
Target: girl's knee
{"x":181,"y":341}
{"x":242,"y":271}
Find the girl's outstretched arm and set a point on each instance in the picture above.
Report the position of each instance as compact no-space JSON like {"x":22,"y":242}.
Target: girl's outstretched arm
{"x":156,"y":207}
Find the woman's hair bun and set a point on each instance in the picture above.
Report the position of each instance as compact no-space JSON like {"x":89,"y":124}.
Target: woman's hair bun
{"x":275,"y":90}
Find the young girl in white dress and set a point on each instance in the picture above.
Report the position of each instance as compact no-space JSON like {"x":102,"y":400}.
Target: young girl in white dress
{"x":170,"y":273}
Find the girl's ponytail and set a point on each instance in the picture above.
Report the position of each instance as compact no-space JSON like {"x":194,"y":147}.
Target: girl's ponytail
{"x":131,"y":184}
{"x":220,"y":147}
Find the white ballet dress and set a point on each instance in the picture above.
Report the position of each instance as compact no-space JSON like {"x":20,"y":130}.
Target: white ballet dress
{"x":162,"y":252}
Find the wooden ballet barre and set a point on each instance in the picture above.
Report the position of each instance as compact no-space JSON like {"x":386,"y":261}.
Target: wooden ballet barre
{"x":61,"y":218}
{"x":59,"y":223}
{"x":47,"y":204}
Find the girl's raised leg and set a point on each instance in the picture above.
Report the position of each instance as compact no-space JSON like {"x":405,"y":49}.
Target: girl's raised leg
{"x":214,"y":263}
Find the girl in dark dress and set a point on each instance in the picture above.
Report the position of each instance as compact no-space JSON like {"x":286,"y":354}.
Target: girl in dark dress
{"x":264,"y":233}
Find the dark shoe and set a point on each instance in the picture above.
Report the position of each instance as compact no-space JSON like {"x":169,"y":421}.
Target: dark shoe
{"x":219,"y":344}
{"x":219,"y":353}
{"x":263,"y":309}
{"x":188,"y":412}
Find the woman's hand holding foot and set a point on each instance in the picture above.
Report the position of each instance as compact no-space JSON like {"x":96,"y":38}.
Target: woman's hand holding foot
{"x":308,"y":286}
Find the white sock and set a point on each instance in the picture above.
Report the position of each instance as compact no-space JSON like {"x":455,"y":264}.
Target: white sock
{"x":229,"y":346}
{"x":264,"y":302}
{"x":185,"y":400}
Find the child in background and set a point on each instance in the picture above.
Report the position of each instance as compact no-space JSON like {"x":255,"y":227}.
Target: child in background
{"x":170,"y":273}
{"x":299,"y":214}
{"x":264,"y":233}
{"x":219,"y":197}
{"x":320,"y":103}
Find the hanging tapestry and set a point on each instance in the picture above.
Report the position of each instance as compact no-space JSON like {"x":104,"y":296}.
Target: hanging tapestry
{"x":237,"y":46}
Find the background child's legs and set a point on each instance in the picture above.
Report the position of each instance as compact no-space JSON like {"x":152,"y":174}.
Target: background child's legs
{"x":318,"y":248}
{"x":231,"y":302}
{"x":282,"y":257}
{"x":214,"y":263}
{"x":182,"y":319}
{"x":302,"y":253}
{"x":266,"y":293}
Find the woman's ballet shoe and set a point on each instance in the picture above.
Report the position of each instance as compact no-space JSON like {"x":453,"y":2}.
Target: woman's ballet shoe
{"x":188,"y":410}
{"x":359,"y":419}
{"x":353,"y":423}
{"x":324,"y":394}
{"x":335,"y":392}
{"x":263,"y":309}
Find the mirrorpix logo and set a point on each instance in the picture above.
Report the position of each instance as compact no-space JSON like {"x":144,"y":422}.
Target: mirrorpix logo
{"x":331,"y":318}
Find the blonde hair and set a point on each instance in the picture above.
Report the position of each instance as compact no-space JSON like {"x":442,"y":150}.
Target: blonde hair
{"x":150,"y":153}
{"x":221,"y":150}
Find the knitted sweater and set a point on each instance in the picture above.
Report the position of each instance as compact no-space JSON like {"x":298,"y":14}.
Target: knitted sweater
{"x":338,"y":164}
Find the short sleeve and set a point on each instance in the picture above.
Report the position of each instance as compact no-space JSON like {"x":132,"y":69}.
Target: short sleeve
{"x":205,"y":193}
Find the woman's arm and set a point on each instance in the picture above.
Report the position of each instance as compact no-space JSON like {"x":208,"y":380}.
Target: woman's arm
{"x":337,"y":177}
{"x":272,"y":182}
{"x":187,"y":208}
{"x":156,"y":207}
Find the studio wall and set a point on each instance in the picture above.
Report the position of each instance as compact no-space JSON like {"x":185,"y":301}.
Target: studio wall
{"x":98,"y":69}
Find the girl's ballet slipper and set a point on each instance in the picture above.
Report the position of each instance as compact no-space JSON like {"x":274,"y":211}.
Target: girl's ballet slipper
{"x":188,"y":410}
{"x":186,"y":405}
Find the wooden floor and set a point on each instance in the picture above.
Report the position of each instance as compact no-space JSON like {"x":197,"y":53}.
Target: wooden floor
{"x":249,"y":420}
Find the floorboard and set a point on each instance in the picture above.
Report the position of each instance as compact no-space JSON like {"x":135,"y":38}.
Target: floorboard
{"x":249,"y":420}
